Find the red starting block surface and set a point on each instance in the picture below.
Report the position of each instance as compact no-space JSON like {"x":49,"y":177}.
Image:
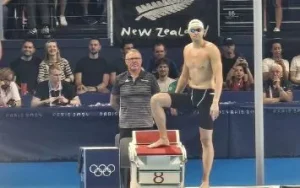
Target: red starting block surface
{"x":166,"y":150}
{"x":148,"y":137}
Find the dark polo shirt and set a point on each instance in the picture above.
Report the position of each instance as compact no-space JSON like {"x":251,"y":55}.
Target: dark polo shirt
{"x":135,"y":111}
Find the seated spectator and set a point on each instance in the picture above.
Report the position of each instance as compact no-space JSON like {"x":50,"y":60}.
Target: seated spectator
{"x":53,"y":57}
{"x":119,"y":65}
{"x":172,"y":86}
{"x":276,"y":88}
{"x":230,"y":58}
{"x":160,"y":51}
{"x":9,"y":93}
{"x":241,"y":79}
{"x":276,"y":50}
{"x":92,"y":72}
{"x":54,"y":92}
{"x":163,"y":75}
{"x":295,"y":70}
{"x":43,"y":9}
{"x":26,"y":67}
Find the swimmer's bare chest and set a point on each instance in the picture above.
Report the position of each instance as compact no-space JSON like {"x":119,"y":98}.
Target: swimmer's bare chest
{"x":199,"y":67}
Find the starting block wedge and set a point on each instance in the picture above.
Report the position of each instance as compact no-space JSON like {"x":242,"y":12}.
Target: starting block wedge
{"x":162,"y":167}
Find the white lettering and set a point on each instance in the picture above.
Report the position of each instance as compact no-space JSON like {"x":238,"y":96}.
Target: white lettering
{"x":160,"y":32}
{"x":145,"y":32}
{"x":166,"y":32}
{"x":173,"y":33}
{"x":134,"y":31}
{"x":139,"y":32}
{"x":125,"y":32}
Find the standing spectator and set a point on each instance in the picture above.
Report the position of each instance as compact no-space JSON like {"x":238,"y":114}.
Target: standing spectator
{"x":43,"y":7}
{"x":1,"y":50}
{"x":278,"y":14}
{"x":62,"y":9}
{"x":5,"y":13}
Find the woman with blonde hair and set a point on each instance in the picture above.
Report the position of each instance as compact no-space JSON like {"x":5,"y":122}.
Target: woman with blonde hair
{"x":52,"y":57}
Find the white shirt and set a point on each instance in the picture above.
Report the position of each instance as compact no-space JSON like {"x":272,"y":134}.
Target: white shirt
{"x":269,"y":62}
{"x":11,"y":93}
{"x":164,"y":85}
{"x":295,"y":66}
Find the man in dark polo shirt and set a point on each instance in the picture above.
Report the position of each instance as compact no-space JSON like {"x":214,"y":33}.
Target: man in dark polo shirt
{"x":92,"y":72}
{"x":276,"y":88}
{"x":130,"y":97}
{"x":55,"y":92}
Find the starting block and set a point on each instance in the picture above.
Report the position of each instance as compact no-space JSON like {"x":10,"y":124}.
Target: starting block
{"x":162,"y":167}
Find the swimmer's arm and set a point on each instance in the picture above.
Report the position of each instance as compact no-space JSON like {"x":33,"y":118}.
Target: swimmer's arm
{"x":183,"y":79}
{"x":216,"y":63}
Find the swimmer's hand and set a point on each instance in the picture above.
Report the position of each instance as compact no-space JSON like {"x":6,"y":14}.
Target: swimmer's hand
{"x":214,"y":111}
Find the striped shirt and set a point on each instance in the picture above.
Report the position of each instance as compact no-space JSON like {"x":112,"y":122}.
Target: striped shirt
{"x":44,"y":70}
{"x":135,"y":111}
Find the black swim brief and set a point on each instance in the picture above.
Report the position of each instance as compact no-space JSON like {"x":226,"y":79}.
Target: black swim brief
{"x":197,"y":99}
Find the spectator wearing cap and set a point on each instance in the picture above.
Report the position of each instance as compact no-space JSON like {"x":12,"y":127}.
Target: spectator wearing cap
{"x":163,"y":75}
{"x":230,"y":58}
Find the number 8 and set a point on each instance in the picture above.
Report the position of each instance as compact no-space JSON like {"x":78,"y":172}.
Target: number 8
{"x":158,"y":177}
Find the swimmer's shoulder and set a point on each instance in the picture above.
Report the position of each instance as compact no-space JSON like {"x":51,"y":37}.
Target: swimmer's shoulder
{"x":211,"y":47}
{"x":188,"y":46}
{"x":209,"y":44}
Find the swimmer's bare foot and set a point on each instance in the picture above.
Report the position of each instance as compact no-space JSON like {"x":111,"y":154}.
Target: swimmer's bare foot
{"x":160,"y":143}
{"x":204,"y":185}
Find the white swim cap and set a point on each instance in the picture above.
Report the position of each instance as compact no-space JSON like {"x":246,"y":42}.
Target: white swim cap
{"x":195,"y":23}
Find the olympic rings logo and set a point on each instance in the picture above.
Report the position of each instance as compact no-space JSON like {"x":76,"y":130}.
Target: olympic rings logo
{"x":102,"y":169}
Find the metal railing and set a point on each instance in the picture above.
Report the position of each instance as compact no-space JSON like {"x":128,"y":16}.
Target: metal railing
{"x":94,"y":24}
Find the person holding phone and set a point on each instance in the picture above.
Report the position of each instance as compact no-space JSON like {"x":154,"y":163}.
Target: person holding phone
{"x":230,"y":58}
{"x":241,"y":80}
{"x":54,"y":92}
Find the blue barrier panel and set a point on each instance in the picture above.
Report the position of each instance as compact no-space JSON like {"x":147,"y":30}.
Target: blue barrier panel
{"x":100,"y":167}
{"x":281,"y":128}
